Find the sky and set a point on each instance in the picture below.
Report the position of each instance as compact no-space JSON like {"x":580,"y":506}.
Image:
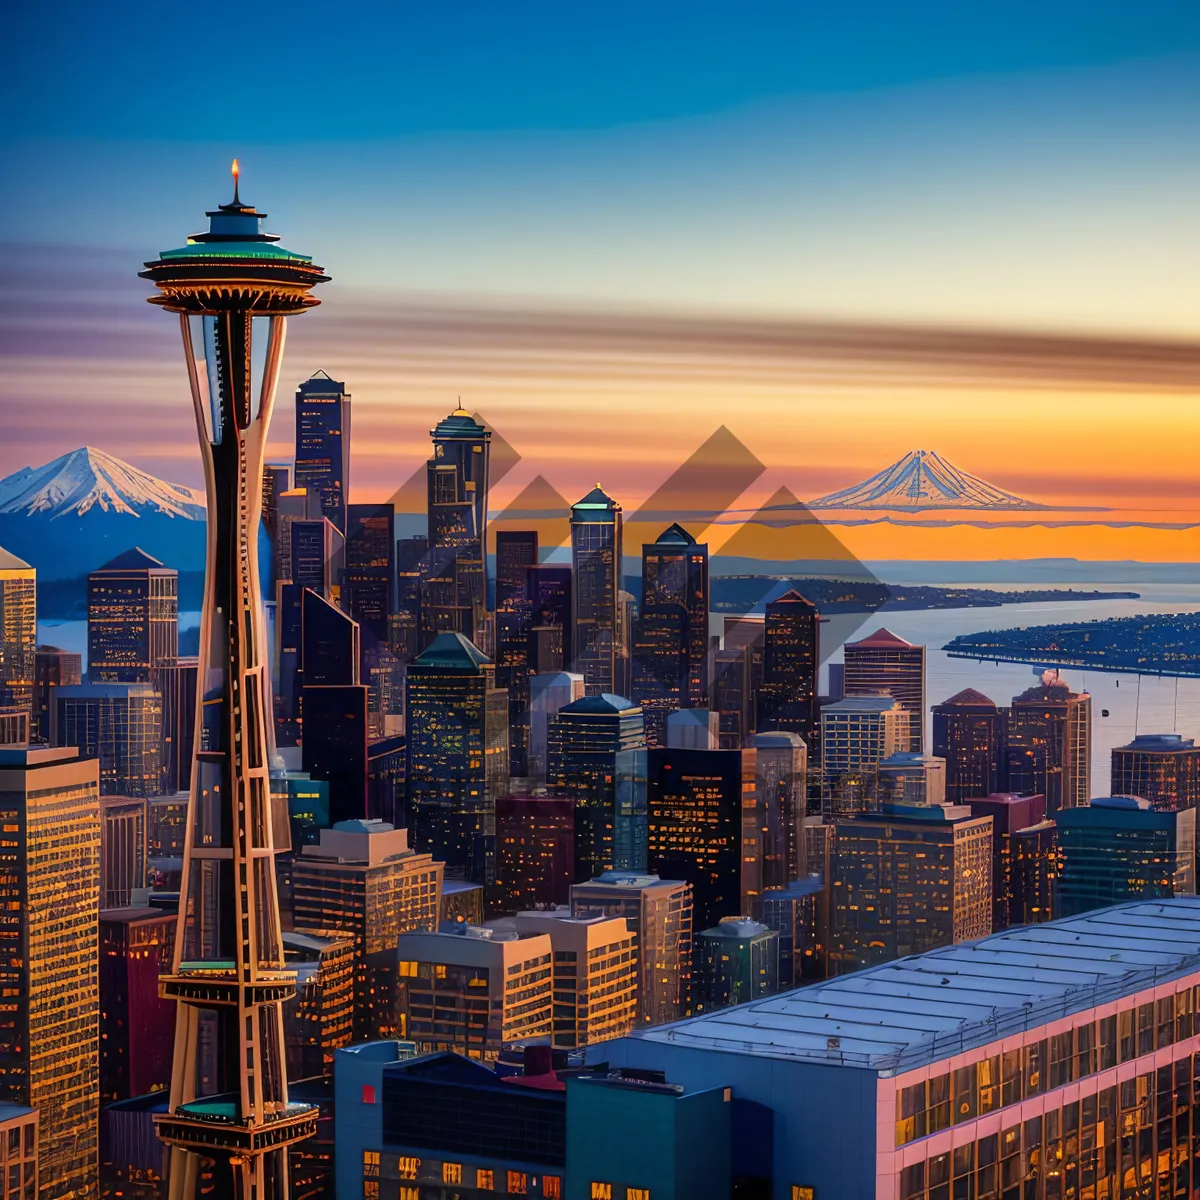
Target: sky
{"x":841,"y":232}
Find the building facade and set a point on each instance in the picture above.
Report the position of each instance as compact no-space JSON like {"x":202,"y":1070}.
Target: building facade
{"x":133,"y":618}
{"x":1162,"y":768}
{"x":596,"y":549}
{"x":969,"y":732}
{"x":18,"y":632}
{"x":1049,"y":745}
{"x":791,"y":658}
{"x":883,"y":662}
{"x":323,"y":444}
{"x":119,"y":725}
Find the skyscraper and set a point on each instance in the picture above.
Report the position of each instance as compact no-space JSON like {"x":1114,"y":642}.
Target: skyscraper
{"x":738,"y":961}
{"x":49,"y":958}
{"x":780,"y":774}
{"x":457,"y":745}
{"x":367,"y":581}
{"x":857,"y":733}
{"x":548,"y":693}
{"x":907,"y":879}
{"x":53,"y":668}
{"x":228,"y":284}
{"x":1118,"y":848}
{"x":334,"y":706}
{"x":277,"y":479}
{"x":596,"y":563}
{"x":119,"y":724}
{"x":133,"y":618}
{"x":787,"y":696}
{"x":18,"y":632}
{"x":535,"y":852}
{"x":363,"y":882}
{"x":1162,"y":768}
{"x":516,"y":551}
{"x":404,"y":625}
{"x":732,"y":696}
{"x":122,"y":849}
{"x":907,"y":777}
{"x":454,"y":592}
{"x":670,"y":651}
{"x":694,"y":814}
{"x":883,"y":662}
{"x":551,"y":638}
{"x":969,"y":732}
{"x":323,"y":444}
{"x":659,"y":913}
{"x":1049,"y":744}
{"x":596,"y":757}
{"x":1011,"y":816}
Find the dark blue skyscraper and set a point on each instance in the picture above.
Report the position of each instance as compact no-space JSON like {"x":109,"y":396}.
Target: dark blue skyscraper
{"x":596,"y":558}
{"x":454,"y":590}
{"x":323,"y":444}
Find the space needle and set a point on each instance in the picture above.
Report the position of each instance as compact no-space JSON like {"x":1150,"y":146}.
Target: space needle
{"x":233,"y":288}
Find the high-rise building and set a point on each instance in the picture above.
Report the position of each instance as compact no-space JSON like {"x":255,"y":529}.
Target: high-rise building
{"x":294,"y":504}
{"x":455,"y":587}
{"x":596,"y":758}
{"x":670,"y":649}
{"x":277,"y":479}
{"x":773,"y":828}
{"x":1049,"y":744}
{"x":732,"y":696}
{"x":535,"y":852}
{"x":857,"y":733}
{"x":133,"y":618}
{"x":737,"y":961}
{"x":883,"y":662}
{"x":18,"y":632}
{"x":516,"y":552}
{"x":1118,"y":848}
{"x":796,"y":913}
{"x":908,"y":777}
{"x":362,"y":881}
{"x":906,"y":879}
{"x":404,"y":625}
{"x":595,"y":974}
{"x":369,"y":573}
{"x":318,"y":557}
{"x":659,"y":914}
{"x":120,"y":724}
{"x":473,"y":990}
{"x":319,"y":1019}
{"x":969,"y":732}
{"x":548,"y":693}
{"x":457,"y":745}
{"x":1162,"y":768}
{"x":137,"y":1026}
{"x":228,"y":972}
{"x":177,"y":686}
{"x":551,"y":635}
{"x":694,"y":814}
{"x":786,"y":699}
{"x":53,"y":668}
{"x":49,"y":958}
{"x":323,"y":444}
{"x":122,"y":849}
{"x":596,"y":548}
{"x":334,"y":707}
{"x":1012,"y":816}
{"x":1033,"y":873}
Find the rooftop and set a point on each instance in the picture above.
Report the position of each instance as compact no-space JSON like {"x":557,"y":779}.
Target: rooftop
{"x":675,"y":535}
{"x":1160,"y":743}
{"x":453,"y":651}
{"x":925,"y":1008}
{"x":134,"y":559}
{"x":10,"y":562}
{"x":969,"y":696}
{"x":597,"y":505}
{"x":606,"y":702}
{"x":882,"y":639}
{"x":460,"y":424}
{"x":862,"y":704}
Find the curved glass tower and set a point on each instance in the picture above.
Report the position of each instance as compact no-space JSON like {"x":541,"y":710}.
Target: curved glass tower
{"x":233,"y":288}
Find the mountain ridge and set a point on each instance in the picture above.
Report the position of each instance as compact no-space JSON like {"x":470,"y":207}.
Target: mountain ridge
{"x":923,"y":480}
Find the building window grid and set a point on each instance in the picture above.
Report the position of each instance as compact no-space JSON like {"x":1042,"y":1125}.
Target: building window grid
{"x":1004,"y":1079}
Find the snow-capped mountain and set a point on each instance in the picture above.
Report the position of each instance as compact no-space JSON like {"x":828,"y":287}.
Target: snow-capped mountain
{"x":922,"y":479}
{"x":88,"y":479}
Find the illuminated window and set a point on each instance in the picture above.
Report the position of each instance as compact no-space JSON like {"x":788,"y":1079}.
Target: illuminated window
{"x":601,"y":1191}
{"x":800,"y":1192}
{"x":484,"y":1178}
{"x":368,"y":1094}
{"x":637,"y":1194}
{"x":409,"y":1167}
{"x":518,"y":1183}
{"x":408,"y":969}
{"x":440,"y":970}
{"x":406,"y":1193}
{"x":452,"y":1172}
{"x":552,"y":1187}
{"x":371,"y":1156}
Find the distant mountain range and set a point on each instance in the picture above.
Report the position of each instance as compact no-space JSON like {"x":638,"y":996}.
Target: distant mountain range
{"x":922,"y":479}
{"x":74,"y":514}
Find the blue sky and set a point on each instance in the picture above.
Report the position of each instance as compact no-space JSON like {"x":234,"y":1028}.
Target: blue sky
{"x":1000,"y":166}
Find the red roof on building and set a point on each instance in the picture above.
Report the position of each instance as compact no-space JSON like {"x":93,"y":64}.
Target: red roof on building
{"x":882,"y":638}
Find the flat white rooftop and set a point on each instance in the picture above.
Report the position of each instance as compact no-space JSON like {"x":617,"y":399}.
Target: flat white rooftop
{"x":927,"y":1007}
